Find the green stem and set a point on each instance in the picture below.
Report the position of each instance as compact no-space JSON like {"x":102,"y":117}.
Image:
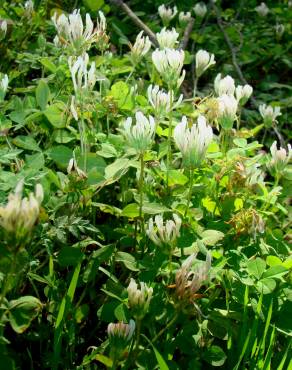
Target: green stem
{"x":141,"y":184}
{"x":169,"y":140}
{"x":138,"y":332}
{"x":190,"y":192}
{"x":168,"y":325}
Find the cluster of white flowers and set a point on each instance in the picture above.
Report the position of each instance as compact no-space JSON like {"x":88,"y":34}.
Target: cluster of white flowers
{"x":161,"y":101}
{"x":227,"y":110}
{"x":141,"y":135}
{"x":204,"y":60}
{"x":262,"y":9}
{"x":280,"y":157}
{"x":121,"y":331}
{"x":269,"y":114}
{"x":3,"y":86}
{"x":167,"y":38}
{"x":200,"y":10}
{"x":193,"y":142}
{"x":140,"y":48}
{"x":20,"y":214}
{"x":72,"y":31}
{"x":224,"y":85}
{"x":169,"y":64}
{"x":166,"y":14}
{"x":83,"y":79}
{"x":164,"y":233}
{"x":139,"y":299}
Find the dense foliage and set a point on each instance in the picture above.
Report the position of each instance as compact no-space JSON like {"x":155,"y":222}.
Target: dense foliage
{"x":144,"y":185}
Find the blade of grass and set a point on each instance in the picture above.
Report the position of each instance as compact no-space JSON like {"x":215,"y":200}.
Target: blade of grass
{"x":261,"y":348}
{"x":160,"y":360}
{"x":267,"y":363}
{"x":282,"y":363}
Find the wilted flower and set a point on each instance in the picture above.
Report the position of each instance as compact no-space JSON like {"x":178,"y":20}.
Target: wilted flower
{"x":82,"y":78}
{"x":139,"y":299}
{"x":161,"y":101}
{"x":188,"y":281}
{"x":200,"y":10}
{"x":164,"y":234}
{"x":243,"y":93}
{"x":3,"y":86}
{"x":193,"y":142}
{"x":169,"y":64}
{"x":269,"y":114}
{"x":262,"y":9}
{"x":166,"y":14}
{"x":280,"y":157}
{"x":204,"y":60}
{"x":184,"y":18}
{"x":139,"y":136}
{"x":140,"y":48}
{"x":224,"y":85}
{"x":227,"y":110}
{"x":20,"y":215}
{"x":120,"y":335}
{"x":167,"y":38}
{"x":74,"y":169}
{"x":249,"y":173}
{"x":71,"y":31}
{"x":248,"y":221}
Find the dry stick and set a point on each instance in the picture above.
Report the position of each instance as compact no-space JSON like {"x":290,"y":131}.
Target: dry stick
{"x":136,"y":20}
{"x":187,"y":34}
{"x":236,"y":66}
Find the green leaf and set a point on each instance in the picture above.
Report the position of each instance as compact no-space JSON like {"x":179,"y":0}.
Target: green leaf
{"x":120,"y":91}
{"x":46,"y":62}
{"x":117,"y":168}
{"x":177,"y":178}
{"x":128,"y":260}
{"x":275,"y":272}
{"x":42,"y":94}
{"x":154,"y":208}
{"x":93,"y":5}
{"x":62,"y":136}
{"x":212,"y":237}
{"x":26,"y":142}
{"x":61,"y":155}
{"x":215,"y":356}
{"x":266,"y":286}
{"x":56,"y":115}
{"x":256,"y":267}
{"x":22,"y":311}
{"x":69,"y":256}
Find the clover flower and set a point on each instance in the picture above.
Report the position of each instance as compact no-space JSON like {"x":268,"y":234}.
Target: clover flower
{"x":193,"y":142}
{"x":169,"y":64}
{"x":164,"y":233}
{"x":74,"y":169}
{"x":269,"y":114}
{"x":141,"y":135}
{"x":167,"y":38}
{"x":166,"y":14}
{"x":120,"y":335}
{"x":3,"y":86}
{"x":161,"y":101}
{"x":188,"y":280}
{"x":262,"y":9}
{"x":20,"y":214}
{"x":72,"y":31}
{"x":280,"y":157}
{"x":3,"y":28}
{"x":83,"y":79}
{"x":224,"y":85}
{"x":204,"y":60}
{"x":139,"y":299}
{"x":243,"y":93}
{"x":184,"y":18}
{"x":200,"y":10}
{"x":140,"y":48}
{"x":227,"y":110}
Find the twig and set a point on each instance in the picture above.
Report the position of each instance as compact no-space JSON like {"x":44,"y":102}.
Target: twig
{"x":187,"y":34}
{"x":136,"y":20}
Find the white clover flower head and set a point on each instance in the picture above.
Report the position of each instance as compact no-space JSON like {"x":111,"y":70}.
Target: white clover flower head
{"x":141,"y":135}
{"x":4,"y":81}
{"x":140,"y":48}
{"x":280,"y":157}
{"x":3,"y":27}
{"x":139,"y":299}
{"x":193,"y":142}
{"x":166,"y":14}
{"x":184,"y":18}
{"x":169,"y":64}
{"x":280,"y":29}
{"x":262,"y":9}
{"x":167,"y":38}
{"x":188,"y":280}
{"x":162,"y":101}
{"x":200,"y":10}
{"x":121,"y":332}
{"x":164,"y":233}
{"x":269,"y":114}
{"x":20,"y":214}
{"x":74,"y":169}
{"x":224,"y":85}
{"x":204,"y":60}
{"x":243,"y":93}
{"x":227,"y":110}
{"x":83,"y":79}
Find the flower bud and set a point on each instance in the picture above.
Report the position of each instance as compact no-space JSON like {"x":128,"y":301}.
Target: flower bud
{"x":139,"y":136}
{"x":200,"y":10}
{"x":280,"y":158}
{"x":3,"y":29}
{"x":280,"y":29}
{"x":227,"y":111}
{"x":224,"y":85}
{"x":120,"y":336}
{"x":28,"y":6}
{"x":140,"y":48}
{"x":193,"y":142}
{"x":166,"y":14}
{"x":184,"y":18}
{"x":243,"y":93}
{"x":83,"y":79}
{"x":139,"y":299}
{"x":3,"y":86}
{"x":262,"y":9}
{"x":74,"y":169}
{"x":167,"y":38}
{"x":161,"y":101}
{"x":269,"y":114}
{"x":204,"y":60}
